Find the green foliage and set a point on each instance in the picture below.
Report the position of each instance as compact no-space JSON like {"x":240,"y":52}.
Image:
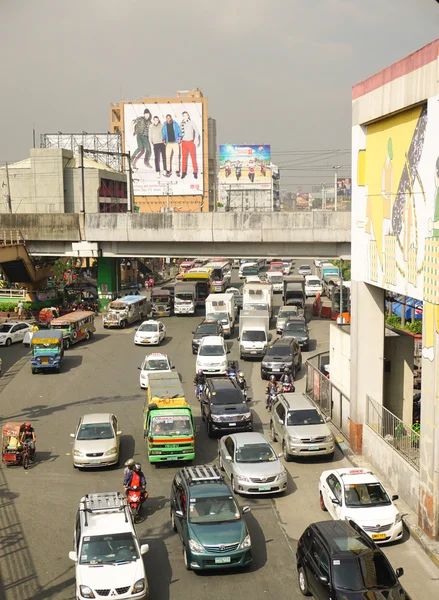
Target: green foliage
{"x":9,"y":307}
{"x":395,"y":322}
{"x":219,"y":204}
{"x":346,"y":268}
{"x":415,"y":328}
{"x":58,"y":270}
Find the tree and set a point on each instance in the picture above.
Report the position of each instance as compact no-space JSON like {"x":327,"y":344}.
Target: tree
{"x":58,"y":270}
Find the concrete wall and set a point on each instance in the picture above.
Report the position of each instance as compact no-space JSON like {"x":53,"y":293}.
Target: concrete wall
{"x":399,"y":349}
{"x":340,"y":357}
{"x":49,"y":227}
{"x":402,"y":476}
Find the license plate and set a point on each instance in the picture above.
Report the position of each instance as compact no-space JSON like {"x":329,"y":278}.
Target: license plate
{"x":145,"y":341}
{"x":232,"y":424}
{"x":315,"y":448}
{"x":160,"y":312}
{"x":45,"y":361}
{"x":222,"y":560}
{"x":252,"y":351}
{"x":95,"y":461}
{"x":264,"y":488}
{"x":170,"y":458}
{"x":276,"y":370}
{"x":211,"y":370}
{"x":379,"y":536}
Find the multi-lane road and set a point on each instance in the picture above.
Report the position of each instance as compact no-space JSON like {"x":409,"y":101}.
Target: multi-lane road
{"x":38,"y":507}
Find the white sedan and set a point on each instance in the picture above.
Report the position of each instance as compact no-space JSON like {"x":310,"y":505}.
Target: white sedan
{"x":13,"y":332}
{"x":150,"y":332}
{"x":153,"y":363}
{"x":358,"y":495}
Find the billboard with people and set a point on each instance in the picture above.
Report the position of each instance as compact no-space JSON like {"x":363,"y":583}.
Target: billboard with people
{"x":166,"y":145}
{"x":244,"y":165}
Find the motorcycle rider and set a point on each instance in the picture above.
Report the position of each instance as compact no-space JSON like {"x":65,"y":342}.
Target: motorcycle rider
{"x":270,"y":390}
{"x":136,"y":478}
{"x":231,"y":369}
{"x":200,"y":382}
{"x":28,"y":436}
{"x":241,"y":381}
{"x":287,"y":378}
{"x":129,"y":464}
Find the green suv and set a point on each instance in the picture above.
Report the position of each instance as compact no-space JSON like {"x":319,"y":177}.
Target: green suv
{"x":205,"y":514}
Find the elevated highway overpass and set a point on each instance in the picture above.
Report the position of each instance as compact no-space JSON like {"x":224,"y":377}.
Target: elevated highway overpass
{"x":310,"y":234}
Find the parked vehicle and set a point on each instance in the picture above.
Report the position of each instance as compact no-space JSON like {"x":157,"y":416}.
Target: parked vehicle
{"x":75,"y":326}
{"x":161,"y":303}
{"x":207,"y":327}
{"x":211,"y":357}
{"x":276,"y":279}
{"x":150,"y":332}
{"x":105,"y":541}
{"x":313,"y":286}
{"x":126,"y":310}
{"x":168,"y":425}
{"x":280,"y":354}
{"x":208,"y":520}
{"x":221,"y":307}
{"x":11,"y":332}
{"x":47,"y":350}
{"x":300,"y":427}
{"x":224,"y":407}
{"x":251,"y":464}
{"x":96,"y":441}
{"x":185,"y":298}
{"x":285,"y":313}
{"x":253,"y":333}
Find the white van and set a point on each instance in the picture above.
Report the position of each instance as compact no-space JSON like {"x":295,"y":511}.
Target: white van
{"x":313,"y":286}
{"x":212,"y":356}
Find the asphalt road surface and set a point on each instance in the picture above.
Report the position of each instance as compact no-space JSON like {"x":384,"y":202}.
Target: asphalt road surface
{"x":38,"y":506}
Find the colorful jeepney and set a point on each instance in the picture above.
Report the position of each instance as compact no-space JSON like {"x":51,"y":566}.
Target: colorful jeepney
{"x":47,"y":350}
{"x":75,"y":326}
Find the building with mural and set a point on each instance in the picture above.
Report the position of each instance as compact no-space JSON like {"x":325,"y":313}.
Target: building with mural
{"x":172,"y":143}
{"x":395,"y":251}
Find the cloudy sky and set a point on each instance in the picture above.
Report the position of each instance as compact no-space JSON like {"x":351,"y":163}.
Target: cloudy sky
{"x":277,"y":72}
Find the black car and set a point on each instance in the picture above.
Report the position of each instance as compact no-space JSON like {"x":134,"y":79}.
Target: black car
{"x":280,"y":354}
{"x":224,"y":407}
{"x":206,"y":327}
{"x":297,"y":328}
{"x":336,"y":560}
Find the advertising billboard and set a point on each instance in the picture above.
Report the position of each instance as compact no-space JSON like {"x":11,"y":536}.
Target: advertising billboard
{"x":241,"y":165}
{"x":166,"y":145}
{"x":344,"y":188}
{"x":303,"y":201}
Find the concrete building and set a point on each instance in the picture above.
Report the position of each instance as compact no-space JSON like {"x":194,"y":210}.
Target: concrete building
{"x":258,"y":198}
{"x":395,"y":250}
{"x":49,"y":181}
{"x":176,"y":176}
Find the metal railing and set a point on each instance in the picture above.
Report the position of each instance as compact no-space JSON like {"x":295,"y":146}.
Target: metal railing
{"x":330,"y":399}
{"x":401,"y":437}
{"x":12,"y":293}
{"x":11,"y":237}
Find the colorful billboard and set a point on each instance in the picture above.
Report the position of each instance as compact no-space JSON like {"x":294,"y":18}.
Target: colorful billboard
{"x":244,"y":165}
{"x":166,"y":145}
{"x":303,"y":201}
{"x":344,"y":189}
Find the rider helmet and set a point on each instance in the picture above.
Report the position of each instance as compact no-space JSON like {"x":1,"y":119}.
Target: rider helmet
{"x":232,"y":364}
{"x":200,"y":372}
{"x":28,"y":425}
{"x":287,"y":370}
{"x":272,"y":378}
{"x":130,"y":463}
{"x":137,"y":467}
{"x":241,"y":375}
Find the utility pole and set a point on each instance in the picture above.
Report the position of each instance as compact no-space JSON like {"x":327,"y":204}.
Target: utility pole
{"x":129,"y":185}
{"x":335,"y":186}
{"x":341,"y":318}
{"x":81,"y":178}
{"x":8,"y":189}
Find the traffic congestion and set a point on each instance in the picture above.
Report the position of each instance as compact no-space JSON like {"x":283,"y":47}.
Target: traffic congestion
{"x":201,"y":455}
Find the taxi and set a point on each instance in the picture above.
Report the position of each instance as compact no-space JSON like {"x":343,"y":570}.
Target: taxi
{"x":150,"y":332}
{"x":153,"y":363}
{"x":357,"y":495}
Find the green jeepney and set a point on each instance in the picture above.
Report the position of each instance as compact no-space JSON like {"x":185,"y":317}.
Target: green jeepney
{"x":168,"y":426}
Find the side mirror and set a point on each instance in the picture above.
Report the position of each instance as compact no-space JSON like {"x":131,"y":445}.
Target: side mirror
{"x":395,"y":497}
{"x":140,"y":368}
{"x":280,"y":455}
{"x":193,"y":332}
{"x":281,"y":421}
{"x":73,"y":556}
{"x":327,"y":419}
{"x":336,"y":501}
{"x":239,"y":339}
{"x":245,"y":509}
{"x":72,"y":435}
{"x":179,"y":514}
{"x":172,"y":366}
{"x":228,"y":458}
{"x":136,"y":329}
{"x":119,"y":433}
{"x":144,"y":548}
{"x":270,"y":337}
{"x":399,"y":572}
{"x":323,"y":579}
{"x":228,"y":351}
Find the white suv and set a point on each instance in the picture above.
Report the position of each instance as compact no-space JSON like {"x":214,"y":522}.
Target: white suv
{"x":104,"y":537}
{"x":211,"y":358}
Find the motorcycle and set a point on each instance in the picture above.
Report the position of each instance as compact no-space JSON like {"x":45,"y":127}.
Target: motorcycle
{"x":134,"y":500}
{"x":243,"y":386}
{"x":287,"y":387}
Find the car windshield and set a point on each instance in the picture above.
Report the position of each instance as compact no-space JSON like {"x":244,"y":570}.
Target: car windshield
{"x":250,"y":271}
{"x":148,"y":327}
{"x":218,"y":316}
{"x":105,"y":549}
{"x":279,"y":351}
{"x":213,"y":510}
{"x":313,"y":282}
{"x":231,"y":396}
{"x":95,"y":431}
{"x":276,"y":279}
{"x":253,"y":336}
{"x":305,"y":268}
{"x":171,"y":425}
{"x":307,"y":416}
{"x":45,"y":346}
{"x":184,"y":296}
{"x":215,"y":350}
{"x":255,"y":453}
{"x":156,"y":364}
{"x":160,"y":299}
{"x":294,"y":326}
{"x":365,"y":494}
{"x":209,"y":329}
{"x":255,"y":306}
{"x":5,"y":328}
{"x":365,"y":572}
{"x":285,"y":313}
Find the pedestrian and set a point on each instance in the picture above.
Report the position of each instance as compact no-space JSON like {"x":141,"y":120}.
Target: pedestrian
{"x":151,"y":282}
{"x":20,"y":308}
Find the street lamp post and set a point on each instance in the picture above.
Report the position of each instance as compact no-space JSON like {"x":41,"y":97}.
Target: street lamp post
{"x":335,"y":186}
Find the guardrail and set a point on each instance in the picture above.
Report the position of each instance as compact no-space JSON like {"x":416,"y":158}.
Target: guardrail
{"x":399,"y":436}
{"x":12,"y":293}
{"x":331,"y":400}
{"x":12,"y":237}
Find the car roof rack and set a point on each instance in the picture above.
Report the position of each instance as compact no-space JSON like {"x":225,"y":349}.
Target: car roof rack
{"x":202,"y":473}
{"x":103,"y":502}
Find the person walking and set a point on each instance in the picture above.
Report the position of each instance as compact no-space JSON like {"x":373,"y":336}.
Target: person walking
{"x":171,"y":137}
{"x":141,"y":127}
{"x":20,"y":309}
{"x":156,"y":141}
{"x":190,"y":138}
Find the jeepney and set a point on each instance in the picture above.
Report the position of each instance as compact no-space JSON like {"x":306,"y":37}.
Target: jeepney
{"x":47,"y":350}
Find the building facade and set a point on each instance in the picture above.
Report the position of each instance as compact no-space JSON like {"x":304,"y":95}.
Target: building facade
{"x":395,"y":250}
{"x":172,"y":144}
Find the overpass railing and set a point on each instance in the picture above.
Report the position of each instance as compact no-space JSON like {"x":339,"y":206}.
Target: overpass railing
{"x":12,"y":293}
{"x":11,"y":237}
{"x":330,"y":399}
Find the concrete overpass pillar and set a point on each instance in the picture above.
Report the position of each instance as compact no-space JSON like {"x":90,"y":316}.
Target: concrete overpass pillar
{"x":108,"y":280}
{"x":367,"y":355}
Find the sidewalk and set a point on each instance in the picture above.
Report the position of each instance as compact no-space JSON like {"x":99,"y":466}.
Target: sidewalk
{"x":409,"y":517}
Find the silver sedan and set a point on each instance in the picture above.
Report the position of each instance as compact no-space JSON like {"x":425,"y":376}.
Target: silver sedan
{"x":252,"y":465}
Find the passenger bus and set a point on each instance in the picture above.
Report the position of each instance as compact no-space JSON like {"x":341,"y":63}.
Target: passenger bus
{"x":222,"y":274}
{"x":203,"y":277}
{"x":185,"y":266}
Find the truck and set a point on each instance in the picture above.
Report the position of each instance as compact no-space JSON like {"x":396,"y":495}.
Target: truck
{"x":253,"y":333}
{"x":258,"y":296}
{"x":327,"y":268}
{"x":168,"y":423}
{"x":276,"y":278}
{"x":185,"y":298}
{"x":294,"y":291}
{"x":329,"y":282}
{"x":222,"y":308}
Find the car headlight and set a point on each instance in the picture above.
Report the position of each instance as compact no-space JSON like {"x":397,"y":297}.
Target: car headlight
{"x":398,"y":518}
{"x":246,"y":543}
{"x":281,"y":475}
{"x":242,"y":478}
{"x":143,"y":375}
{"x":111,"y":451}
{"x":329,"y":438}
{"x":295,"y":440}
{"x":77,"y":453}
{"x":247,"y":417}
{"x":86,"y":591}
{"x":215,"y":418}
{"x":195,"y":546}
{"x":139,"y":586}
